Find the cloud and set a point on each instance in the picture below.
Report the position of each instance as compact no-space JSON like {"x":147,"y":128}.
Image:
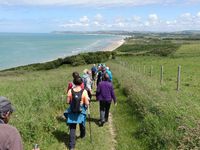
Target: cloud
{"x":84,"y":20}
{"x":90,"y":2}
{"x":153,"y":22}
{"x":198,"y":14}
{"x":98,"y":17}
{"x":136,"y":18}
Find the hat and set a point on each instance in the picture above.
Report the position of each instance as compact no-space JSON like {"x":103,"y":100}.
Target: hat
{"x":5,"y":105}
{"x":85,"y":71}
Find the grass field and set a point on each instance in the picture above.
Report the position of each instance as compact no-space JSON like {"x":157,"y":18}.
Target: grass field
{"x":40,"y":100}
{"x":148,"y":116}
{"x":169,"y":118}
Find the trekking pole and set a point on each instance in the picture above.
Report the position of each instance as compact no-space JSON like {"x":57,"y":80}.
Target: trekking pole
{"x":89,"y":124}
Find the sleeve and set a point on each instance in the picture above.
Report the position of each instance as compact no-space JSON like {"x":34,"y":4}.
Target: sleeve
{"x":69,"y":96}
{"x":98,"y":89}
{"x":69,"y":86}
{"x":82,"y":86}
{"x":113,"y":94}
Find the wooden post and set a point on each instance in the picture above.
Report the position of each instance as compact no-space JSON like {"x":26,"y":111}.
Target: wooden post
{"x":161,"y":75}
{"x":178,"y":78}
{"x":151,"y":71}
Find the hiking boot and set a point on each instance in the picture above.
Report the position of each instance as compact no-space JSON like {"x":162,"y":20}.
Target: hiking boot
{"x":101,"y":123}
{"x":82,"y":136}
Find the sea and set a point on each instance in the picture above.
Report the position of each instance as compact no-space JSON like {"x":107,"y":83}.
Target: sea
{"x":17,"y":49}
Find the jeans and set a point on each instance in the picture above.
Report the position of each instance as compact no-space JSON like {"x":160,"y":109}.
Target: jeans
{"x":72,"y":134}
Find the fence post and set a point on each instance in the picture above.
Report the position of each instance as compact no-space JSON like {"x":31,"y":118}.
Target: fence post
{"x":161,"y":75}
{"x":178,"y":78}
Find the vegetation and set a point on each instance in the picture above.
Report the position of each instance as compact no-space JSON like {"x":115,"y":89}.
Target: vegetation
{"x":149,"y":115}
{"x":149,"y":46}
{"x":169,"y":119}
{"x":80,"y":59}
{"x":40,"y":100}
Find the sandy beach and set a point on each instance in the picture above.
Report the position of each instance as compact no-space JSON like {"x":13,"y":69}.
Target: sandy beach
{"x":114,"y":45}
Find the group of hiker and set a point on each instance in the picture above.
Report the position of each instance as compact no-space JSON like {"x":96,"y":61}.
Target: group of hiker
{"x":79,"y":94}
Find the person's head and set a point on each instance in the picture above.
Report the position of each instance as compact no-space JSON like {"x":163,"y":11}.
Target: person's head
{"x":85,"y":71}
{"x":106,"y":77}
{"x":78,"y":81}
{"x":6,"y":109}
{"x":75,"y":75}
{"x":107,"y":68}
{"x":89,"y":72}
{"x":94,"y":65}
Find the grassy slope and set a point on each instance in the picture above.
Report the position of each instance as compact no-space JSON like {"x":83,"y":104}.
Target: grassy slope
{"x":125,"y":122}
{"x":38,"y":99}
{"x":164,"y":110}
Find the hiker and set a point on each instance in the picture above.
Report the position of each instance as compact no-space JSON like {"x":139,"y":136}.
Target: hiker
{"x":10,"y":138}
{"x":71,"y":84}
{"x":87,"y":82}
{"x":99,"y":74}
{"x":76,"y":113}
{"x":105,"y":94}
{"x":109,"y":73}
{"x":94,"y":72}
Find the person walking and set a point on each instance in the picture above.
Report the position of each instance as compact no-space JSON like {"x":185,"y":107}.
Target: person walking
{"x":87,"y":82}
{"x":71,"y":84}
{"x":108,"y":71}
{"x":76,"y":113}
{"x":10,"y":138}
{"x":94,"y":72}
{"x":105,"y":94}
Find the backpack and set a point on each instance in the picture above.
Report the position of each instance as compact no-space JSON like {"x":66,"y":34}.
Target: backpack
{"x":94,"y":69}
{"x":84,"y":82}
{"x":76,"y":100}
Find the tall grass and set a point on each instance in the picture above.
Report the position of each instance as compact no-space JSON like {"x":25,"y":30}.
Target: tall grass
{"x":40,"y":100}
{"x":167,"y":116}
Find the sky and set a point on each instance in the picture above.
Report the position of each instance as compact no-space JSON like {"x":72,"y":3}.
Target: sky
{"x":95,"y":15}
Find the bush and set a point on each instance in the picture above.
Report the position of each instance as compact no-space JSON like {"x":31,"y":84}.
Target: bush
{"x":80,"y":59}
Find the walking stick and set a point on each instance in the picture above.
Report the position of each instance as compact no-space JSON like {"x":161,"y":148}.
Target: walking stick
{"x":89,"y":124}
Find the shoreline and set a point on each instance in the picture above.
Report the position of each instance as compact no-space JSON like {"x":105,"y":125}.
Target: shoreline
{"x":114,"y":45}
{"x":111,"y":47}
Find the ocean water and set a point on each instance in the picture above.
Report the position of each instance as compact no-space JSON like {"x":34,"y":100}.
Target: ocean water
{"x":18,"y":49}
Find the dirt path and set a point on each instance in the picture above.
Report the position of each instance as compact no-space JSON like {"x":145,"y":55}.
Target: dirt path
{"x":112,"y":131}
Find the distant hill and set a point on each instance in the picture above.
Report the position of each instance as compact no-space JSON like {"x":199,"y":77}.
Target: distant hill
{"x":137,"y":33}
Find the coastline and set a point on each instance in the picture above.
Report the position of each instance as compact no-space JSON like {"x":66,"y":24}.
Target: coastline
{"x":111,"y":47}
{"x":114,"y":45}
